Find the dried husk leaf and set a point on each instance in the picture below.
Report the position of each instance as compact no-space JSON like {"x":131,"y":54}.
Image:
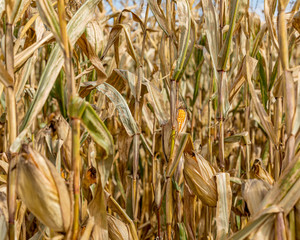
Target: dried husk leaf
{"x":199,"y":175}
{"x":97,"y":209}
{"x":117,"y":229}
{"x":94,"y":35}
{"x":254,"y":191}
{"x":223,"y":205}
{"x":43,"y":191}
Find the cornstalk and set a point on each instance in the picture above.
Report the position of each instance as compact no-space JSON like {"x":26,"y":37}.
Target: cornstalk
{"x":75,"y":123}
{"x":288,"y":82}
{"x":278,"y":128}
{"x":210,"y":157}
{"x":246,"y":99}
{"x":289,"y":89}
{"x":11,"y":116}
{"x":277,"y":125}
{"x":221,"y":85}
{"x":169,"y":208}
{"x":136,"y":139}
{"x":155,"y":177}
{"x":173,"y":111}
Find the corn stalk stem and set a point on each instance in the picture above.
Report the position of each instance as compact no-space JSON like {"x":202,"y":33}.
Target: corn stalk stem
{"x":168,"y":183}
{"x":289,"y":83}
{"x":210,"y":155}
{"x":75,"y":123}
{"x":76,"y":168}
{"x":136,"y":138}
{"x":292,"y":224}
{"x":221,"y":99}
{"x":12,"y":127}
{"x":169,"y":208}
{"x":277,"y":125}
{"x":158,"y":223}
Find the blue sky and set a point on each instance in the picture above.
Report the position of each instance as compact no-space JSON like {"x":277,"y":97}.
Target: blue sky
{"x":255,"y":5}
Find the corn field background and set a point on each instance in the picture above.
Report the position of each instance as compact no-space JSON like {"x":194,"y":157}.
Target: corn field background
{"x":158,"y":119}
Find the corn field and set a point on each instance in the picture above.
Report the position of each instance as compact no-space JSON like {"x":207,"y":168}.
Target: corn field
{"x":151,"y":119}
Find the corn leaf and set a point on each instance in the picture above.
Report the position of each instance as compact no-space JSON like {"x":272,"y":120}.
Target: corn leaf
{"x":75,"y":28}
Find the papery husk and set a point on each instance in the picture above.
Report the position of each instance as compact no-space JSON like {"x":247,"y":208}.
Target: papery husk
{"x":199,"y":175}
{"x":117,"y":230}
{"x":43,"y":191}
{"x":254,"y":192}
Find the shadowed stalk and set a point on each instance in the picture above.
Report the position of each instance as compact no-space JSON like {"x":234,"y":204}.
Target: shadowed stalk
{"x":136,"y":138}
{"x":210,"y":137}
{"x":155,"y":175}
{"x":169,"y":208}
{"x":247,"y":99}
{"x":277,"y":125}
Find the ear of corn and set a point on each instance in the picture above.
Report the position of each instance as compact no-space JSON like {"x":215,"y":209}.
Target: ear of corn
{"x":200,"y":177}
{"x":43,"y":191}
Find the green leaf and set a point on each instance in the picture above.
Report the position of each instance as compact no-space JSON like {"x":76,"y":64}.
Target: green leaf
{"x":224,"y":52}
{"x":182,"y":231}
{"x":263,"y":80}
{"x":97,"y":129}
{"x":81,"y":109}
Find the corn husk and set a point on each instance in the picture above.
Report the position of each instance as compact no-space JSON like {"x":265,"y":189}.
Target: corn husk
{"x":43,"y":191}
{"x":199,"y":175}
{"x":254,"y":191}
{"x":117,"y":230}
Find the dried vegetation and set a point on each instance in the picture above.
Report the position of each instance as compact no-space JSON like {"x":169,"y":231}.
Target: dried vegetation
{"x":158,"y":120}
